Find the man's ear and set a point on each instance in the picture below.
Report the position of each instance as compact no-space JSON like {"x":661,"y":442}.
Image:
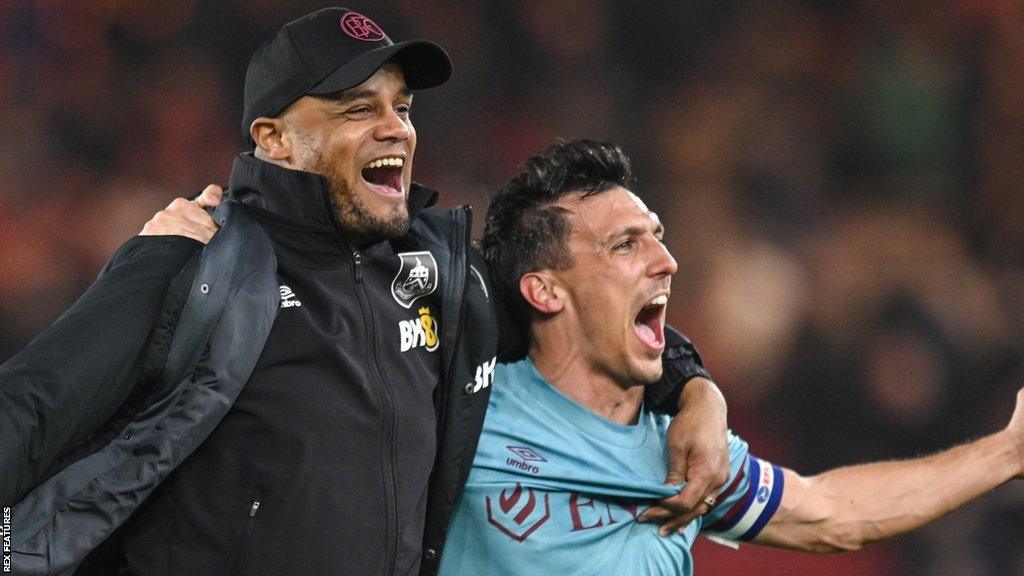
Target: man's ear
{"x":540,"y":292}
{"x":270,"y":139}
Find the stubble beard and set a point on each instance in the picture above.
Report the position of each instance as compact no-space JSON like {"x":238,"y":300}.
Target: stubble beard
{"x":613,"y":357}
{"x":358,"y":222}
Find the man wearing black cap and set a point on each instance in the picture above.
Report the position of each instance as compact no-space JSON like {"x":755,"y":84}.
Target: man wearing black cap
{"x":362,"y":404}
{"x":323,"y":464}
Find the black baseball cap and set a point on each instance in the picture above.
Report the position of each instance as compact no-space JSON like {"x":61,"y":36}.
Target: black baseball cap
{"x":328,"y":51}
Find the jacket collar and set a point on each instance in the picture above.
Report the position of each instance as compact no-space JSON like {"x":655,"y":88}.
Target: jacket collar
{"x":299,"y":198}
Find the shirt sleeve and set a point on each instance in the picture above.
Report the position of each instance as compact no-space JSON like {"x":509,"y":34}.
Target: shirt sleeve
{"x":750,"y":498}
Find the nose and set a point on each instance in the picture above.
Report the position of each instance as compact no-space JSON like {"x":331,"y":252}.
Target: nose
{"x":393,"y":126}
{"x":660,"y":261}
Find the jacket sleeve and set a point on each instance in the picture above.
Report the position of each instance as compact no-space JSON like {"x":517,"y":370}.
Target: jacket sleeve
{"x":72,"y":377}
{"x":681,"y":363}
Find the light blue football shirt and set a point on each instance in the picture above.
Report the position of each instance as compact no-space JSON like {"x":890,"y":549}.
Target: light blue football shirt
{"x":555,"y":489}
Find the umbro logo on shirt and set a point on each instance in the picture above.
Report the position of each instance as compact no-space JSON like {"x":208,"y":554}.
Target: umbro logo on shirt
{"x":526,"y":453}
{"x":527,"y":457}
{"x":288,"y":298}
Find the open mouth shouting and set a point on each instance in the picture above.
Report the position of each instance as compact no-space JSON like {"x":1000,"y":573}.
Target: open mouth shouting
{"x":384,"y":176}
{"x":649,"y":323}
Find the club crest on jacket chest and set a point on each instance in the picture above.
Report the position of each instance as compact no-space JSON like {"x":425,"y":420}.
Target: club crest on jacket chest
{"x":416,"y":278}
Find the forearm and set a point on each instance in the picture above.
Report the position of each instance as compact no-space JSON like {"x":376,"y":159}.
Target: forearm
{"x":847,"y":508}
{"x":697,"y":437}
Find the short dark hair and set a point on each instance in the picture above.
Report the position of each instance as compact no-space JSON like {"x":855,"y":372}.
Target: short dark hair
{"x":524,"y":229}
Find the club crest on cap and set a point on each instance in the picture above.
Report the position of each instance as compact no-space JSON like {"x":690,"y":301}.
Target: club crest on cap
{"x":361,"y":28}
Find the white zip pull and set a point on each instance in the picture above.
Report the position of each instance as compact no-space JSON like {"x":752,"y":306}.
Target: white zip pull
{"x":255,"y":507}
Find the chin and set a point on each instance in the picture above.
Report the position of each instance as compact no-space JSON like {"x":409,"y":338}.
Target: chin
{"x":375,"y":222}
{"x":653,"y":377}
{"x":646,"y":374}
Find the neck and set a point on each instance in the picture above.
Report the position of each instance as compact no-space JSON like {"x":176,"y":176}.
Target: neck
{"x":561,"y":361}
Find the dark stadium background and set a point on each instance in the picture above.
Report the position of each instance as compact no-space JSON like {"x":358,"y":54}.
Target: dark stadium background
{"x":841,"y":182}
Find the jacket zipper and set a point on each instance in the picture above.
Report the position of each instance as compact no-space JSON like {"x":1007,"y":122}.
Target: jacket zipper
{"x":243,"y":550}
{"x":387,"y":401}
{"x":388,"y":424}
{"x":357,"y":264}
{"x":461,"y":244}
{"x":388,"y":420}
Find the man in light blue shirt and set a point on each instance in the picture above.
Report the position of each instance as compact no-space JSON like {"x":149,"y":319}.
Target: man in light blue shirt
{"x":570,"y":459}
{"x":555,"y":489}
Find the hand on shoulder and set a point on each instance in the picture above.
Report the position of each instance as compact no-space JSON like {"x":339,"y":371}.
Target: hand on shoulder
{"x":187,"y":217}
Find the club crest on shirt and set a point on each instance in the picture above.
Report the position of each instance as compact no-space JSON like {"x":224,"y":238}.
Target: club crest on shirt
{"x":417,"y":277}
{"x":518,"y":512}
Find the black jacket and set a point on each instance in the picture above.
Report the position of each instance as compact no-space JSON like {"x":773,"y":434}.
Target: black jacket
{"x":319,"y":474}
{"x":114,"y":399}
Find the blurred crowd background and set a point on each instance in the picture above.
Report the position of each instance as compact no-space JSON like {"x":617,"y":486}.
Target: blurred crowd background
{"x":842,"y":184}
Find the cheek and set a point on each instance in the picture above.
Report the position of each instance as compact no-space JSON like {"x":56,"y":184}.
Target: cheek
{"x":606,"y":310}
{"x":344,"y":146}
{"x":346,"y":158}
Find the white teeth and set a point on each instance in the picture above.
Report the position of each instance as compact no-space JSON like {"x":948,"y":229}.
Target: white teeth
{"x":659,"y":300}
{"x":382,"y":162}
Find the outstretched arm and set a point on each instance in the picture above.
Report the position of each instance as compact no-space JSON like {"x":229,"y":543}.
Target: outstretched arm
{"x":847,"y":508}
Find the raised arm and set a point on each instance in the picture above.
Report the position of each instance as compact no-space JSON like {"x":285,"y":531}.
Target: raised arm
{"x":847,"y":508}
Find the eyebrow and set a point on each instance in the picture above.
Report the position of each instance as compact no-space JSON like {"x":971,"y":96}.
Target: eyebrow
{"x":347,"y":96}
{"x":634,"y":231}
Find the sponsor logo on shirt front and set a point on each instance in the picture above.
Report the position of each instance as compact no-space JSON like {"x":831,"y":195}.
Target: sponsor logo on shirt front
{"x":420,"y":332}
{"x":416,"y":278}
